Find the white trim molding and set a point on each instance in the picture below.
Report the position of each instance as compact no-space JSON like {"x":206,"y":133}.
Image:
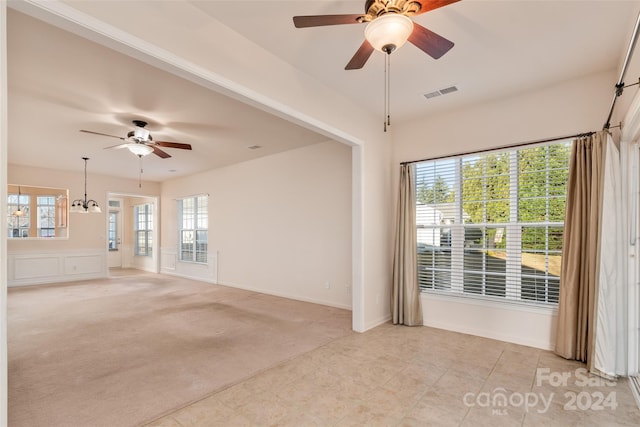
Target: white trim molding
{"x":37,"y":268}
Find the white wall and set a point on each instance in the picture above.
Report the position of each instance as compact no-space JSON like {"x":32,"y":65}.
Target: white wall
{"x":3,"y":208}
{"x":632,"y":75}
{"x":81,"y":256}
{"x":279,"y":224}
{"x":579,"y":105}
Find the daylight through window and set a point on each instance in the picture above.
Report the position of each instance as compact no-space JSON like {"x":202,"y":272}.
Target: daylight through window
{"x":143,"y":229}
{"x":193,"y":220}
{"x":491,"y":224}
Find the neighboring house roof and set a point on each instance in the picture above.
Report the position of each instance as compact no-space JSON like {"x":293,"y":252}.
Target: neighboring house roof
{"x":440,"y":213}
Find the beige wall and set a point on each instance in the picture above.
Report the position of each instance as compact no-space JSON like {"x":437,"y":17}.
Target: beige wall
{"x":279,"y":224}
{"x":579,"y":105}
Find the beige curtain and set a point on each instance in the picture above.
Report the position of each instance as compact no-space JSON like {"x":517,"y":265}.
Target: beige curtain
{"x":580,"y":251}
{"x":405,"y":302}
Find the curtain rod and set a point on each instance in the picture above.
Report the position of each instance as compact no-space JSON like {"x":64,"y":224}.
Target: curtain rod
{"x":620,"y":85}
{"x":502,"y":147}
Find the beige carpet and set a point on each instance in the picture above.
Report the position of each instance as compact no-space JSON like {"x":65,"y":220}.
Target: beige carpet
{"x":125,"y":350}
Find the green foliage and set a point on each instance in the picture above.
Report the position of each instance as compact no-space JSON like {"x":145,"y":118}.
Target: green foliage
{"x":486,"y":192}
{"x":439,"y":192}
{"x":485,"y":188}
{"x":542,"y":171}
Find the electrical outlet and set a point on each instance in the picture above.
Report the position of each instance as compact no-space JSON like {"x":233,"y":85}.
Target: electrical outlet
{"x":347,"y":288}
{"x":327,"y":285}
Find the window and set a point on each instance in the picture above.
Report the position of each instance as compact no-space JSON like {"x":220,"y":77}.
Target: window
{"x":193,"y":223}
{"x":46,"y":216}
{"x":143,"y":229}
{"x":492,"y":224}
{"x":113,"y":229}
{"x":18,"y":225}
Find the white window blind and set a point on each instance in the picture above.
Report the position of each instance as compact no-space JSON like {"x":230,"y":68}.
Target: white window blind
{"x":491,"y":224}
{"x":143,"y":229}
{"x":193,"y":220}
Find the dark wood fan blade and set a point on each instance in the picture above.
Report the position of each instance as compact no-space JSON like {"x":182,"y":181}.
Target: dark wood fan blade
{"x":361,"y":56}
{"x":428,"y":5}
{"x":173,"y":145}
{"x":322,"y":20}
{"x":431,"y":43}
{"x":116,"y":147}
{"x":103,"y":134}
{"x":158,"y":152}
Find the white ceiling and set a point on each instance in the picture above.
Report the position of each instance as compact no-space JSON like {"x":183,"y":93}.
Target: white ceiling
{"x":60,"y":83}
{"x":501,"y":47}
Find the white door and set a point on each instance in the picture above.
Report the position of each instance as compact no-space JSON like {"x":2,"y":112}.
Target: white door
{"x":114,"y":240}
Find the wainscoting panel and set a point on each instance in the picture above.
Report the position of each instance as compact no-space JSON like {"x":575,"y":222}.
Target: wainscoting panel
{"x":169,"y":264}
{"x":82,"y":264}
{"x":168,"y":260}
{"x":26,"y":268}
{"x":35,"y":268}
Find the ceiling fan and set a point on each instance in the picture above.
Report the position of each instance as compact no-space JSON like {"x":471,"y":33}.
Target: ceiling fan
{"x":389,"y":27}
{"x":140,"y":142}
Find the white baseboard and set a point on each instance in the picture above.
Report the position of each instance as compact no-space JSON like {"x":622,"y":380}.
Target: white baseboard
{"x":169,"y":272}
{"x":287,"y":295}
{"x":377,"y":322}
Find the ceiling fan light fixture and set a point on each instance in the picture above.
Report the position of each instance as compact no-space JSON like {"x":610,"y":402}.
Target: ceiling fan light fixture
{"x":388,"y":32}
{"x":139,"y":149}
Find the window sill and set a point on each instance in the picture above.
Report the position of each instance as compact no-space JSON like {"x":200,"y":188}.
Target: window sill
{"x":193,"y":262}
{"x":505,"y":304}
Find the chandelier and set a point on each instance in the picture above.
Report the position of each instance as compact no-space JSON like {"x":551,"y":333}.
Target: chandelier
{"x":84,"y":206}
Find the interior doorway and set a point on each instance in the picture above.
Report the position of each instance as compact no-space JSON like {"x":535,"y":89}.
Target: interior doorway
{"x":133,"y":234}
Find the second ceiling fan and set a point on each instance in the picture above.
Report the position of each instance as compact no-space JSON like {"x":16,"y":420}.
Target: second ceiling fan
{"x":389,"y":26}
{"x":140,"y":142}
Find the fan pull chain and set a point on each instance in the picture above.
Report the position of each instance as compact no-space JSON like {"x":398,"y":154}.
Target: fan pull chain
{"x":140,"y":174}
{"x":387,"y":91}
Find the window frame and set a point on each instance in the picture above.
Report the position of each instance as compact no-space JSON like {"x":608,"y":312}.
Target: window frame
{"x":198,"y":226}
{"x":143,"y":229}
{"x":436,"y":272}
{"x":112,"y":232}
{"x":20,"y":225}
{"x":51,"y":217}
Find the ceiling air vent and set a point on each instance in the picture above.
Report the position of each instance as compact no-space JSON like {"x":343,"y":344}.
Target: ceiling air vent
{"x":444,"y":91}
{"x":254,"y":147}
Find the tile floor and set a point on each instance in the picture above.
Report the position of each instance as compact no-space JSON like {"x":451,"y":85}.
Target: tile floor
{"x":400,"y":376}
